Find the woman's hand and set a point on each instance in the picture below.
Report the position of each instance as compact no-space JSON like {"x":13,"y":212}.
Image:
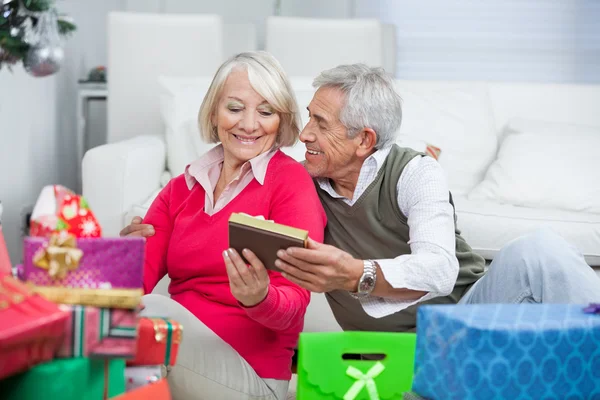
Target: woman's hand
{"x":249,"y":284}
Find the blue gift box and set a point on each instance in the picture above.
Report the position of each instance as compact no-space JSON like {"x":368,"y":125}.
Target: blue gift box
{"x":507,"y":351}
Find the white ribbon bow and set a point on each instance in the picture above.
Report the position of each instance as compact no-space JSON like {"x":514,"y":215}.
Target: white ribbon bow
{"x":363,"y":380}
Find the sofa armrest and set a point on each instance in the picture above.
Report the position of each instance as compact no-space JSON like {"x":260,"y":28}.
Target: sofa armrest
{"x":118,"y":175}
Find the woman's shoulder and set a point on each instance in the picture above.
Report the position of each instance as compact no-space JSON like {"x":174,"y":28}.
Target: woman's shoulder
{"x":179,"y":185}
{"x":283,"y":161}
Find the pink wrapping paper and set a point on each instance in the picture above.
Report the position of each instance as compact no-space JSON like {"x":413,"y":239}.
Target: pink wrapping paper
{"x":107,"y":263}
{"x":99,"y":332}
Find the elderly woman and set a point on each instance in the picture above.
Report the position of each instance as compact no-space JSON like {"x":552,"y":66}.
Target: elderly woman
{"x":241,"y":322}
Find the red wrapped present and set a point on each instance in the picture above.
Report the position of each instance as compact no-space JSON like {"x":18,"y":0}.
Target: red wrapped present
{"x":99,"y":332}
{"x":60,"y":210}
{"x":32,"y":329}
{"x":155,"y":391}
{"x":5,"y":266}
{"x":158,"y":342}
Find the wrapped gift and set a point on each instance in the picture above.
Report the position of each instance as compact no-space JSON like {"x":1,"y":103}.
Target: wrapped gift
{"x":60,"y":210}
{"x":158,"y":342}
{"x":355,"y":365}
{"x":99,"y":332}
{"x":5,"y":265}
{"x":509,"y":351}
{"x":136,"y":377}
{"x":101,"y":272}
{"x":31,"y":327}
{"x":68,"y":379}
{"x":156,"y":391}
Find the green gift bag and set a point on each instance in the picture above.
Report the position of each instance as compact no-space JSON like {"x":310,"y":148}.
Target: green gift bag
{"x":67,"y":379}
{"x":325,"y":372}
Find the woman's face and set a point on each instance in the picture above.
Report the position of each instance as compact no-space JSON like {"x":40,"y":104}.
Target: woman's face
{"x":246,"y":124}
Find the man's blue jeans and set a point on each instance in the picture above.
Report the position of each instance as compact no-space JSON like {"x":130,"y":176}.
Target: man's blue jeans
{"x":537,"y":268}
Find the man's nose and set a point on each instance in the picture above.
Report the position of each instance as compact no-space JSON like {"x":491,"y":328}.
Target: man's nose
{"x":306,"y":135}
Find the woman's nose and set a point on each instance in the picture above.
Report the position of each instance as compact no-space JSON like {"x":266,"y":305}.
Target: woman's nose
{"x":249,"y":122}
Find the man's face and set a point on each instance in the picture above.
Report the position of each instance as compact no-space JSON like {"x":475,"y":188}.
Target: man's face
{"x":328,"y":150}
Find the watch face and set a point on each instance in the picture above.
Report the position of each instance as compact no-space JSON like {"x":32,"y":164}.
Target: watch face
{"x":366,"y":284}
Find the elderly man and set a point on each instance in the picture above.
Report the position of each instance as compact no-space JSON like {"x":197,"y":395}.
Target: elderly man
{"x":391,"y":241}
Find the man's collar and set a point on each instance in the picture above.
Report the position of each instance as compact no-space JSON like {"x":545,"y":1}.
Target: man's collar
{"x":378,"y":157}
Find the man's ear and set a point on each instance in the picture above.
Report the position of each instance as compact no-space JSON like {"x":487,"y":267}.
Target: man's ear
{"x":368,"y":140}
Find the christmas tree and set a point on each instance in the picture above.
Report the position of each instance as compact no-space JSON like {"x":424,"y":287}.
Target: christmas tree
{"x":30,"y":32}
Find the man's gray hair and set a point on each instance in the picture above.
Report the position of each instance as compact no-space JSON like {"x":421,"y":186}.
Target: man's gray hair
{"x":371,"y":100}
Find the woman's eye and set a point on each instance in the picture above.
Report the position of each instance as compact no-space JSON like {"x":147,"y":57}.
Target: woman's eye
{"x":265,"y":113}
{"x":235,"y":110}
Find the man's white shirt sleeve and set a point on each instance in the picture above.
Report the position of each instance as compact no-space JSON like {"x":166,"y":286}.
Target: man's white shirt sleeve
{"x":432,"y":267}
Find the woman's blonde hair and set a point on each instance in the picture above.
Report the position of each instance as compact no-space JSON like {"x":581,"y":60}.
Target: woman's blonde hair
{"x":268,"y":79}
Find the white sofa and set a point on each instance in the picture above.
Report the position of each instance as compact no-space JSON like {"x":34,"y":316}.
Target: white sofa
{"x":517,"y":156}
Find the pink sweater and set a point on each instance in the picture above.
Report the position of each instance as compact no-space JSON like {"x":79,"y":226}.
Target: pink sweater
{"x":188,"y":245}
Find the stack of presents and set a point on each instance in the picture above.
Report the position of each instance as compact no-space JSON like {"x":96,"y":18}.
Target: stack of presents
{"x":70,"y":327}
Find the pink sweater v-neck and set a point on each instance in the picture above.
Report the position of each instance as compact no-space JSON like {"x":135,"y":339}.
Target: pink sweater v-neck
{"x":188,"y":245}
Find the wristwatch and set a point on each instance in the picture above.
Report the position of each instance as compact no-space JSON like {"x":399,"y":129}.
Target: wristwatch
{"x":366,"y":283}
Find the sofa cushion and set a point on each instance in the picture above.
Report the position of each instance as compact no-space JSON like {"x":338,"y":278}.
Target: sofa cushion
{"x":456,"y":118}
{"x":180,"y":100}
{"x":139,"y":210}
{"x":545,"y":165}
{"x":488,"y":226}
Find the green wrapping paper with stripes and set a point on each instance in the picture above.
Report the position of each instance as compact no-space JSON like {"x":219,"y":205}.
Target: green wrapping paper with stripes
{"x":68,"y":379}
{"x":158,"y":342}
{"x":99,"y":332}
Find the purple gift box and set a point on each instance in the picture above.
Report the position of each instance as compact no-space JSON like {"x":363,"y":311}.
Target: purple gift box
{"x":109,"y":274}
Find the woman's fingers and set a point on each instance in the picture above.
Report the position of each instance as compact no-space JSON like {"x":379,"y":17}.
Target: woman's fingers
{"x":232,"y":271}
{"x":256,"y":265}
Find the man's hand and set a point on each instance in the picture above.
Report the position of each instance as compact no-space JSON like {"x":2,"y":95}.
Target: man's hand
{"x":249,"y":284}
{"x":320,"y":268}
{"x":136,"y":228}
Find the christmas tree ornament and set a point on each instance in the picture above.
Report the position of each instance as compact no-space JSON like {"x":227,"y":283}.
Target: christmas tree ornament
{"x":45,"y":55}
{"x":8,"y":11}
{"x":31,"y":32}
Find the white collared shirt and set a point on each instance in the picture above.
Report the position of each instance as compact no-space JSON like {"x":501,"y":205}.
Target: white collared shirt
{"x":432,"y":266}
{"x":207,"y":169}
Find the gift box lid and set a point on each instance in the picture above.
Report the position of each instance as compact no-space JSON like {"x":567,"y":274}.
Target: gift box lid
{"x":323,"y":369}
{"x":500,"y":317}
{"x":31,"y":317}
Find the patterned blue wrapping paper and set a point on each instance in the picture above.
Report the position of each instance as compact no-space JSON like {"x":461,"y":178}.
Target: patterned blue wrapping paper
{"x":510,"y":351}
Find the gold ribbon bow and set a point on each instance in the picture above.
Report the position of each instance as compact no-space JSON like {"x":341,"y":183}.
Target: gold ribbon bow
{"x":59,"y":256}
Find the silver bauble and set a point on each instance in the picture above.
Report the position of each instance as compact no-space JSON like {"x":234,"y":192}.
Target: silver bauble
{"x":43,"y":60}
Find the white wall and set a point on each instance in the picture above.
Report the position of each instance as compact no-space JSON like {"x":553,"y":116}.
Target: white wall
{"x":508,"y":40}
{"x":29,"y":146}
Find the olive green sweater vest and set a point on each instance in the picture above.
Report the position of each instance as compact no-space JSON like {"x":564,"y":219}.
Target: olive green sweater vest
{"x":375,"y":228}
